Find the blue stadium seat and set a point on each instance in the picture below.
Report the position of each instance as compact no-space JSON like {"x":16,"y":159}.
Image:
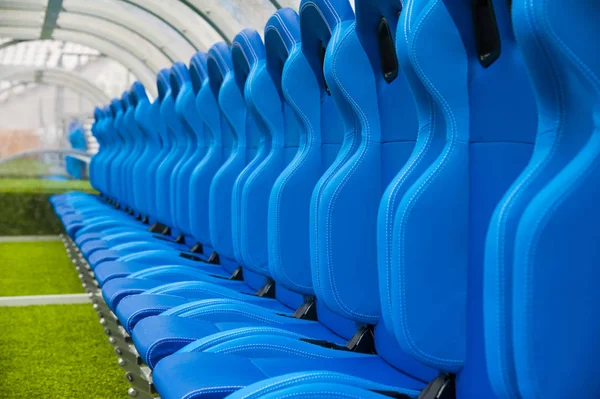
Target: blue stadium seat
{"x":540,"y":306}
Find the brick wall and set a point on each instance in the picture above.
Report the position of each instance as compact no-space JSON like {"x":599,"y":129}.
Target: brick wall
{"x":13,"y":141}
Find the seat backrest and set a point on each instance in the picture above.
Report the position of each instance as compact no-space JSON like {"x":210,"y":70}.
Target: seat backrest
{"x":127,"y":143}
{"x":96,"y":163}
{"x":138,"y":146}
{"x":431,"y":138}
{"x":289,"y":251}
{"x":117,"y":111}
{"x":187,"y":145}
{"x":178,"y":142}
{"x":111,"y":140}
{"x":381,"y":130}
{"x":131,"y":134}
{"x":343,"y":214}
{"x":150,"y":148}
{"x":203,"y":174}
{"x":232,"y":121}
{"x":153,"y":188}
{"x":430,"y":229}
{"x":193,"y":130}
{"x":541,"y":302}
{"x":321,"y":133}
{"x":248,"y":59}
{"x":279,"y":125}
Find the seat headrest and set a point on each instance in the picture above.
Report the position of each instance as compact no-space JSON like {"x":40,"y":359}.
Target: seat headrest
{"x":370,"y":12}
{"x":496,"y":72}
{"x":247,"y":50}
{"x":126,"y":100}
{"x":139,"y":91}
{"x":218,"y":65}
{"x":198,"y":71}
{"x":318,"y":19}
{"x":282,"y":34}
{"x":162,"y":83}
{"x":115,"y":106}
{"x":376,"y":22}
{"x":97,"y":114}
{"x":179,"y":76}
{"x":133,"y":100}
{"x":325,"y":14}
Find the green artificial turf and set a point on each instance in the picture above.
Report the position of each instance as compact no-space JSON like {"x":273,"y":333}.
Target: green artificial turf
{"x":56,"y":351}
{"x":30,"y":167}
{"x":38,"y":186}
{"x":36,"y":268}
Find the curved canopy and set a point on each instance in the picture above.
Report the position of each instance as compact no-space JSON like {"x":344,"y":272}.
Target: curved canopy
{"x":143,"y":35}
{"x":141,"y":70}
{"x":59,"y":77}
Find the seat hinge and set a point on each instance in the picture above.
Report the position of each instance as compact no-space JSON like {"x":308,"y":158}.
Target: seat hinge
{"x":166,"y":231}
{"x":308,"y":310}
{"x":197,"y":248}
{"x":442,"y":387}
{"x":145,"y":220}
{"x":156,"y":228}
{"x":362,"y":342}
{"x":267,"y":290}
{"x":237,"y":275}
{"x":180,"y":239}
{"x":214,"y":259}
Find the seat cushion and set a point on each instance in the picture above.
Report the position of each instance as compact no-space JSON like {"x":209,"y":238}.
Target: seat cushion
{"x":197,"y":375}
{"x":158,"y":336}
{"x":115,"y":290}
{"x":114,"y":269}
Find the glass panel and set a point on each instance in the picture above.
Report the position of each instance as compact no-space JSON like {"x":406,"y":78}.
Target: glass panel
{"x":129,"y":15}
{"x":134,"y":43}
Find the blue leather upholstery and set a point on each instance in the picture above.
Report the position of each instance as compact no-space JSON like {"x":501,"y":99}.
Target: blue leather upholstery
{"x":231,"y":103}
{"x":202,"y":176}
{"x":97,"y":167}
{"x":248,"y":60}
{"x":177,"y":147}
{"x":149,"y":146}
{"x":154,"y":189}
{"x":540,"y":251}
{"x":192,"y":128}
{"x":313,"y":383}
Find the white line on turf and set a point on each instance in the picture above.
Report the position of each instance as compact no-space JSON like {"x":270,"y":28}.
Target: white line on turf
{"x":44,"y":300}
{"x":28,"y":238}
